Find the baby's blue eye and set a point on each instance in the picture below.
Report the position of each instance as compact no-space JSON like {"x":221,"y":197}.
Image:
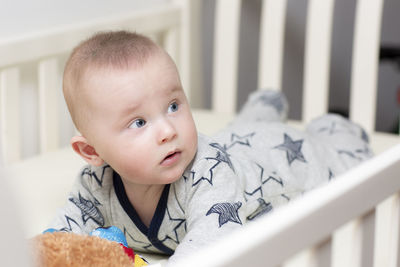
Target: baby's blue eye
{"x":139,"y":123}
{"x":173,"y":107}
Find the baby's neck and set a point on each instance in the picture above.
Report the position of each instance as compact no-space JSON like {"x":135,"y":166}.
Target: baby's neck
{"x":144,"y":198}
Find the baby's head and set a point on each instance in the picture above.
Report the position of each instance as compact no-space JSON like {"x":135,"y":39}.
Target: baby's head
{"x":126,"y":99}
{"x":103,"y":51}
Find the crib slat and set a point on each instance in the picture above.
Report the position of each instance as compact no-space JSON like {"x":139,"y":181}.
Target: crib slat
{"x":365,"y":62}
{"x":271,"y":44}
{"x":226,"y":44}
{"x":188,"y":58}
{"x":317,"y":58}
{"x":191,"y":54}
{"x":368,"y":239}
{"x":49,"y":83}
{"x":176,"y":45}
{"x":315,"y":256}
{"x":354,"y":243}
{"x":347,"y":245}
{"x":10,"y":115}
{"x":306,"y":258}
{"x":387,"y":233}
{"x":324,"y":257}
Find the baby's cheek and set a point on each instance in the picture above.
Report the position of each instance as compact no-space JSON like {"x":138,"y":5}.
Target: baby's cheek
{"x":193,"y":149}
{"x":193,"y":132}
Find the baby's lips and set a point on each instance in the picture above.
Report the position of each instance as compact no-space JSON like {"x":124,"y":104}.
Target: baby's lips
{"x":169,"y":154}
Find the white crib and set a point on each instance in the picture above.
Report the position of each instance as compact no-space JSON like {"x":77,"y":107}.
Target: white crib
{"x":354,"y":221}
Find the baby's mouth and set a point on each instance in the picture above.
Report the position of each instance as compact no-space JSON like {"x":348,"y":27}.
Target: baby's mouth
{"x":171,"y":158}
{"x":170,"y":155}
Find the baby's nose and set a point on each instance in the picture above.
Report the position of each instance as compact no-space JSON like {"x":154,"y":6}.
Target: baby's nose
{"x":167,"y":132}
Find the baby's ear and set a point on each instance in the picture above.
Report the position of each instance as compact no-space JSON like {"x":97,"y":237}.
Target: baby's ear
{"x":86,"y":151}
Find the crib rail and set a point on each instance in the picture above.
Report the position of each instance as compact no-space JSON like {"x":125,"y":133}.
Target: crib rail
{"x":312,"y":222}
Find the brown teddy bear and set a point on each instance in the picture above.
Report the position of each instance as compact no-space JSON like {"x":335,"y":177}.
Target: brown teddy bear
{"x":69,"y":249}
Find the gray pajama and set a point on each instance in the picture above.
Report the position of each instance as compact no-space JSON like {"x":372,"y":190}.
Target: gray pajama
{"x":248,"y":169}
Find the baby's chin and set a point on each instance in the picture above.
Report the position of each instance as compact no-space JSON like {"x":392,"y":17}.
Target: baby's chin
{"x":178,"y":173}
{"x":174,"y":178}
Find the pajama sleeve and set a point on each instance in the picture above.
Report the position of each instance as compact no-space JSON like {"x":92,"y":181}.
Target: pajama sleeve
{"x":83,"y":210}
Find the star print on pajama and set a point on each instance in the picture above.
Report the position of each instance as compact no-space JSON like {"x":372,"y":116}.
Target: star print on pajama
{"x":240,"y":140}
{"x":70,"y":222}
{"x":89,"y":210}
{"x":272,"y":98}
{"x":93,"y":175}
{"x":358,"y":154}
{"x":178,"y":222}
{"x":292,"y":148}
{"x":222,"y":155}
{"x":271,"y":178}
{"x":199,"y":176}
{"x":208,"y":165}
{"x":228,"y":212}
{"x":334,"y":128}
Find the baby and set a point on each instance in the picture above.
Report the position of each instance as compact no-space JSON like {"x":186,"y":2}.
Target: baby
{"x":168,"y":188}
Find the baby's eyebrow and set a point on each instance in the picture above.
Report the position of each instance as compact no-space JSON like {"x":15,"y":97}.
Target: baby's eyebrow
{"x":175,"y":89}
{"x":130,"y":109}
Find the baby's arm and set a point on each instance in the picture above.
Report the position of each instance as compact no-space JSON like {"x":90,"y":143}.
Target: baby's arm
{"x":83,"y":211}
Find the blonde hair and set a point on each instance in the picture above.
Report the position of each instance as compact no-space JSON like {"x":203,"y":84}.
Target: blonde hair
{"x":114,"y":49}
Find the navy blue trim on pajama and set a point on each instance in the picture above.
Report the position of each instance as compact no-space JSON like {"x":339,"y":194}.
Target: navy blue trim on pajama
{"x":152,"y":231}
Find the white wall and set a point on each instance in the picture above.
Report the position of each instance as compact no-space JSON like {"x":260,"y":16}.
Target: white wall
{"x":24,"y":16}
